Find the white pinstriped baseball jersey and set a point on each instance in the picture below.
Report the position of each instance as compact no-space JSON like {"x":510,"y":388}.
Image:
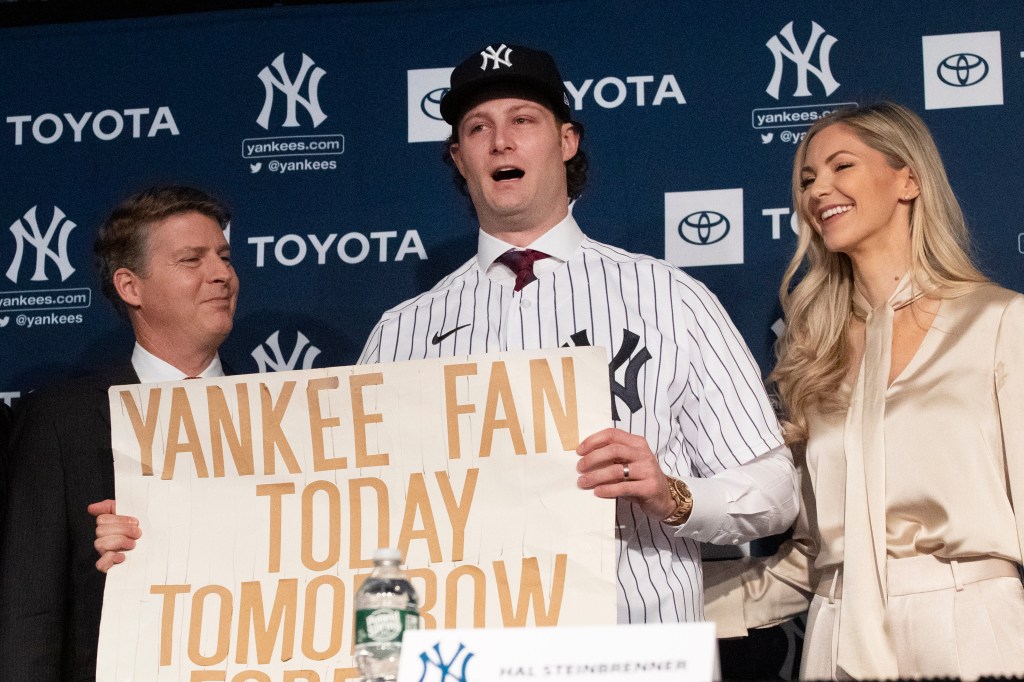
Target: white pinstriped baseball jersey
{"x":681,"y":377}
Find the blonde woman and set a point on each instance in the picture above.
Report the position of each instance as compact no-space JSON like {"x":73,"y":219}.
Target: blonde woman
{"x":901,"y":376}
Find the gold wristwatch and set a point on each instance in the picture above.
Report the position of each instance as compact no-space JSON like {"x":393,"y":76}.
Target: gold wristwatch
{"x":683,"y":498}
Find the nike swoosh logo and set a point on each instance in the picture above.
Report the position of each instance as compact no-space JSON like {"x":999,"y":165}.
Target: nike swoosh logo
{"x":439,"y":337}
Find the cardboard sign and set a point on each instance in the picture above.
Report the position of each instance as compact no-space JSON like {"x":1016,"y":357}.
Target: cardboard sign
{"x":626,"y":653}
{"x":262,"y":498}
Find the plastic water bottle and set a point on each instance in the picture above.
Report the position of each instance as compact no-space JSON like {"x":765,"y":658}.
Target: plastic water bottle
{"x":386,"y":606}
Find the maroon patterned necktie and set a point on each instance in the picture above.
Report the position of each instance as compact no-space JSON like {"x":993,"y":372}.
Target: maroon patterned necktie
{"x":521,"y":263}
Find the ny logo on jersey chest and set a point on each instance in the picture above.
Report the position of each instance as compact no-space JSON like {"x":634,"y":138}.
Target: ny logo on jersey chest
{"x":627,"y":392}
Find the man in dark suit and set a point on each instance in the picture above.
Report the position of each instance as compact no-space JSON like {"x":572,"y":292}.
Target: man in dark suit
{"x":165,"y":263}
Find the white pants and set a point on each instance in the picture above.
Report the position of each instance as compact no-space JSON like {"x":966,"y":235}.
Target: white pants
{"x":947,"y":619}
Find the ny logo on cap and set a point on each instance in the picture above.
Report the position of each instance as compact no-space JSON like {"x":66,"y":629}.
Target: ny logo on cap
{"x":494,"y":56}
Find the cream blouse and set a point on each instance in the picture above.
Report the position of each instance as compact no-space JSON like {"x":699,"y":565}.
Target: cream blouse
{"x":954,"y":439}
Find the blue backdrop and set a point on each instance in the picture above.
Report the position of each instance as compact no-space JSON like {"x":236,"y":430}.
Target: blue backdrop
{"x":320,"y":128}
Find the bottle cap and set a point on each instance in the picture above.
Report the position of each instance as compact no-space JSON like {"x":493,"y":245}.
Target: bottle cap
{"x":387,"y":554}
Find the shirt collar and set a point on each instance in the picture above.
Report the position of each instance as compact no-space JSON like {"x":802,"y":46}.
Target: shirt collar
{"x":150,"y":368}
{"x":560,"y":242}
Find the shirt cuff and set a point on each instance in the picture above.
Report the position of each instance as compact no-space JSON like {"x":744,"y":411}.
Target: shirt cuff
{"x":710,"y":507}
{"x":749,"y":501}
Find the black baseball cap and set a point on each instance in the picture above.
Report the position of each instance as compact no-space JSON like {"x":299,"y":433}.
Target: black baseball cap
{"x":501,"y":64}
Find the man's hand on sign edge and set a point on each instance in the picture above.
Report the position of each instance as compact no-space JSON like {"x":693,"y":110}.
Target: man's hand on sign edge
{"x":114,"y":534}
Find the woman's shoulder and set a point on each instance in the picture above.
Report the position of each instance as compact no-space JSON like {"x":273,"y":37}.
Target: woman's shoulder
{"x":987,"y":309}
{"x":986,"y":295}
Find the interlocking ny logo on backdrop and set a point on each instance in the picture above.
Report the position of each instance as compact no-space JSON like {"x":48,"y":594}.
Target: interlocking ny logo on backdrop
{"x":445,"y":670}
{"x":497,"y":57}
{"x":296,"y":151}
{"x":309,"y":76}
{"x":302,"y":355}
{"x":814,"y":58}
{"x":802,"y":57}
{"x":60,"y":227}
{"x":36,"y":306}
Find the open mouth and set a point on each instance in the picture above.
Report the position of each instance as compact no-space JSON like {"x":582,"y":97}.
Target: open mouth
{"x":507,"y":174}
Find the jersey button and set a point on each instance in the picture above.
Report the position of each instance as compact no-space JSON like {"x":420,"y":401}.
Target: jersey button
{"x":526,"y":304}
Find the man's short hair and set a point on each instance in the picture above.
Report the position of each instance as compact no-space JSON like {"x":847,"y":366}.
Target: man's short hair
{"x":123,"y":239}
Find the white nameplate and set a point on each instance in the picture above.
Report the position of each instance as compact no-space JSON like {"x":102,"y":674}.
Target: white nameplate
{"x":652,"y":653}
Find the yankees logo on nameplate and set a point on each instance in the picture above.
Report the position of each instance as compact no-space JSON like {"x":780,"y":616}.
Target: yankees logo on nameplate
{"x":262,"y":498}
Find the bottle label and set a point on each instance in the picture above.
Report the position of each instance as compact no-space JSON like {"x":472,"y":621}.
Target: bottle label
{"x":384,"y":625}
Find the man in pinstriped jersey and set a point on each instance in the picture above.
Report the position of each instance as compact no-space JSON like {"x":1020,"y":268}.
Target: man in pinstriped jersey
{"x":697,"y":455}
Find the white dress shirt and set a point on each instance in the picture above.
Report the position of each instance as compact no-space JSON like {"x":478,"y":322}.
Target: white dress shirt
{"x":151,"y":369}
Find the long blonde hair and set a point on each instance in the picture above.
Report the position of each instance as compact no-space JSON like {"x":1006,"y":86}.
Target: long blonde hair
{"x":813,"y":353}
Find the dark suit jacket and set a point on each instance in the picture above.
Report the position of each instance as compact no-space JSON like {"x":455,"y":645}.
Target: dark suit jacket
{"x":5,"y":426}
{"x":5,"y":430}
{"x":51,"y":594}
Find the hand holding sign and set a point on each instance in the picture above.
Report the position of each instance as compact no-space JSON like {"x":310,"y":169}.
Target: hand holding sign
{"x":114,"y":534}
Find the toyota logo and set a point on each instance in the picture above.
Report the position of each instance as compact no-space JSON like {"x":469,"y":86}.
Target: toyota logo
{"x":430,"y":105}
{"x":703,"y":228}
{"x":962,"y":70}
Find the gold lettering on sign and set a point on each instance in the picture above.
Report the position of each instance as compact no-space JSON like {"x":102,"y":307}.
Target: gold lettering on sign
{"x":563,"y":412}
{"x":222,"y":428}
{"x":499,"y":390}
{"x":531,"y":592}
{"x":145,"y":428}
{"x":453,"y":408}
{"x":253,"y":623}
{"x":181,"y":419}
{"x":361,"y":419}
{"x":318,"y":422}
{"x":273,"y":435}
